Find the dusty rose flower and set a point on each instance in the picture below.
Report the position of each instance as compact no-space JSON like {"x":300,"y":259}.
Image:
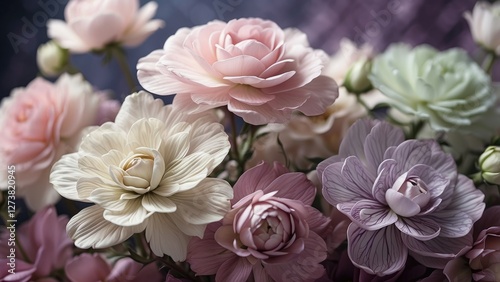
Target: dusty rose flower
{"x":91,"y":25}
{"x":46,"y":248}
{"x":271,"y":232}
{"x":40,"y":123}
{"x":259,"y":71}
{"x":403,"y":197}
{"x":93,"y":267}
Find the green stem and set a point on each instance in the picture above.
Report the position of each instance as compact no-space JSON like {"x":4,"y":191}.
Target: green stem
{"x":234,"y":139}
{"x":489,"y":61}
{"x":415,"y":128}
{"x":121,"y":58}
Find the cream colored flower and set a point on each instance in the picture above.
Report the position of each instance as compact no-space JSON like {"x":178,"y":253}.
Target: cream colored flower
{"x":447,"y":89}
{"x":51,"y":58}
{"x":147,"y":171}
{"x":484,"y":24}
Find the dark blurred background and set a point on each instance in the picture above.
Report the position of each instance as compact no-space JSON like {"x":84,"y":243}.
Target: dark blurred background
{"x":378,"y":22}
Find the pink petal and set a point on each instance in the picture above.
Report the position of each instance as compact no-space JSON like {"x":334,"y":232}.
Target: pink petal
{"x":293,"y":185}
{"x":458,"y":270}
{"x":87,"y":267}
{"x":243,"y":65}
{"x":379,"y":252}
{"x":234,"y":270}
{"x":257,"y":178}
{"x":305,"y":267}
{"x":323,"y":92}
{"x":249,"y":95}
{"x":66,"y":37}
{"x":371,"y":215}
{"x":92,"y":32}
{"x":205,"y":256}
{"x":420,"y":228}
{"x":258,"y":115}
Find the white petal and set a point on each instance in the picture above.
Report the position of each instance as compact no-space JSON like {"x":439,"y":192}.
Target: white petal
{"x":64,"y":175}
{"x":165,"y":238}
{"x":133,"y":214}
{"x":89,"y":229}
{"x":208,"y":202}
{"x":156,"y":203}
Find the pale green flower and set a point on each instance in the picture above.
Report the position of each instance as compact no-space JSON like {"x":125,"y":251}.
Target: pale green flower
{"x":447,"y":88}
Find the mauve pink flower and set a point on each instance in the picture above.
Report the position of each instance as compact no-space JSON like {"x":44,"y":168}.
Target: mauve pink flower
{"x":91,"y":25}
{"x":271,"y":233}
{"x":93,"y":267}
{"x":44,"y":244}
{"x":259,"y":71}
{"x":40,"y":123}
{"x":403,"y":197}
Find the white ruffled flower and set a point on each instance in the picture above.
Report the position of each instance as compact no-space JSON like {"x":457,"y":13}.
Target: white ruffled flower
{"x":445,"y":88}
{"x":484,"y":24}
{"x":147,"y":171}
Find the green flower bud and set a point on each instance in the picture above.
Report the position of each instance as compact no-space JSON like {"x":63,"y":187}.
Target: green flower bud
{"x":489,"y":162}
{"x":356,"y":80}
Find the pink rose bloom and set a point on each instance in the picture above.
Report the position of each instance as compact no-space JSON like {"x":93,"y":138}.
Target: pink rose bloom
{"x":40,"y":123}
{"x":403,"y":197}
{"x":271,"y":232}
{"x":45,"y":245}
{"x":91,"y":25}
{"x":259,"y":71}
{"x":482,"y":261}
{"x":93,"y":267}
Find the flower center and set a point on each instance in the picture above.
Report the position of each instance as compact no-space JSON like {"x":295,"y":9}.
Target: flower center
{"x":139,"y":168}
{"x":409,"y":197}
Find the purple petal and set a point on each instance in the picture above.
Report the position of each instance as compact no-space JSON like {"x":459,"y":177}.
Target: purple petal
{"x":437,"y":252}
{"x":453,"y":223}
{"x":379,"y":252}
{"x":294,"y":186}
{"x":322,"y":165}
{"x":442,"y":161}
{"x":467,"y":198}
{"x":381,"y":137}
{"x":400,"y":204}
{"x":334,"y":189}
{"x":354,"y":141}
{"x":435,"y":181}
{"x":356,"y":177}
{"x":384,"y":181}
{"x":372,"y":215}
{"x":418,"y":227}
{"x":410,"y":153}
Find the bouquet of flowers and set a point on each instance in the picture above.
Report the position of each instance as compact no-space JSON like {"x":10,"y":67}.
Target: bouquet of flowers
{"x":274,"y":161}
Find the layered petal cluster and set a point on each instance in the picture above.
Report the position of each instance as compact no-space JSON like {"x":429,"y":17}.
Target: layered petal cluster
{"x":40,"y":123}
{"x":93,"y":267}
{"x":447,"y":89}
{"x":259,"y":71}
{"x":304,"y":138}
{"x":484,"y":22}
{"x":147,"y":171}
{"x":93,"y":24}
{"x":41,"y":248}
{"x":271,"y":233}
{"x":403,"y":197}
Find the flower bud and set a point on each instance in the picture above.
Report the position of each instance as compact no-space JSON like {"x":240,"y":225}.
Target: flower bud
{"x":51,"y":59}
{"x":489,"y":162}
{"x":483,"y":22}
{"x":356,"y":80}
